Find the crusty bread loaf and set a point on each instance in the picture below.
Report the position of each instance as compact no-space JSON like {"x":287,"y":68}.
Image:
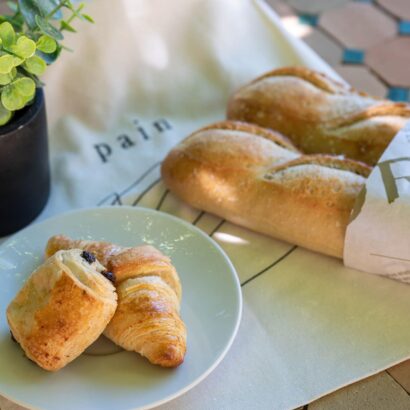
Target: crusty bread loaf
{"x":255,"y":177}
{"x":318,"y":114}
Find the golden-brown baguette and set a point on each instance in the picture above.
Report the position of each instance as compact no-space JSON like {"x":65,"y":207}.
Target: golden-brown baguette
{"x":319,"y":114}
{"x":63,"y":307}
{"x":147,"y":319}
{"x":254,"y":177}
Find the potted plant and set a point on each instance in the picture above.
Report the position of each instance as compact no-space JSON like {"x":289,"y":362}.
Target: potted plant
{"x":30,"y":39}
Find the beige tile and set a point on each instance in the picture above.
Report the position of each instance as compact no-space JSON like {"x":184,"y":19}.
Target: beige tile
{"x":400,"y":8}
{"x":401,"y":373}
{"x":379,"y":392}
{"x":281,"y":8}
{"x":358,"y":25}
{"x":362,"y":79}
{"x":316,"y":6}
{"x":4,"y":9}
{"x":328,"y":49}
{"x":391,"y":60}
{"x":8,"y":405}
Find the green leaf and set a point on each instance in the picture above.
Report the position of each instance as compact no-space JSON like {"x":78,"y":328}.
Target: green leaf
{"x":87,"y":18}
{"x":6,"y":63}
{"x":35,"y":65}
{"x":29,"y":10}
{"x":16,"y":21}
{"x":7,"y":34}
{"x":8,"y":78}
{"x":50,"y":58}
{"x":46,"y":44}
{"x":5,"y":115}
{"x":25,"y":86}
{"x":67,"y":26}
{"x":24,"y":47}
{"x":47,"y":6}
{"x":5,"y":79}
{"x":17,"y":61}
{"x":11,"y":99}
{"x":17,"y":94}
{"x":36,"y":80}
{"x":47,"y":28}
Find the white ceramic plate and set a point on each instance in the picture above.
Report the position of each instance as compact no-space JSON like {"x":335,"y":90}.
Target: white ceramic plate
{"x":105,"y":378}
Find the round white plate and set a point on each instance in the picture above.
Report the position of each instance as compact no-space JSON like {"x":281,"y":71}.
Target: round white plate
{"x":105,"y":378}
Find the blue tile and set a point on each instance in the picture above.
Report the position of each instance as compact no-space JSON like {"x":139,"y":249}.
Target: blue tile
{"x":353,"y":56}
{"x":398,"y":94}
{"x":309,"y":19}
{"x":404,"y":28}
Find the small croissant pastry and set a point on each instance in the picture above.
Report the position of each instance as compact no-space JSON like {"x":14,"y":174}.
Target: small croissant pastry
{"x":63,"y":307}
{"x":147,"y":319}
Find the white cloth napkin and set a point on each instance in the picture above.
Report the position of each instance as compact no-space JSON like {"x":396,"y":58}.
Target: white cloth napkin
{"x":384,"y":207}
{"x":142,"y":78}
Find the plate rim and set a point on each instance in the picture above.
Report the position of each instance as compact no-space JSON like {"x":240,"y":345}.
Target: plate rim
{"x":188,"y":226}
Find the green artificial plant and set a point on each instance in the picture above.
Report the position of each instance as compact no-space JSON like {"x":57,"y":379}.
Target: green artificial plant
{"x":30,"y":39}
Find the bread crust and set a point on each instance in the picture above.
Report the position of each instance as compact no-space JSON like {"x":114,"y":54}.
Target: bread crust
{"x":242,"y":175}
{"x":147,"y":319}
{"x":124,"y":262}
{"x":57,"y":314}
{"x":319,"y":114}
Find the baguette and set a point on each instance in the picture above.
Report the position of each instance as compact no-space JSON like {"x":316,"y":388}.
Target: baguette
{"x":318,"y":114}
{"x":256,"y":178}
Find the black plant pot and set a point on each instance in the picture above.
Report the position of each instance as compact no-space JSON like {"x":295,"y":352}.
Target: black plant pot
{"x":24,"y":167}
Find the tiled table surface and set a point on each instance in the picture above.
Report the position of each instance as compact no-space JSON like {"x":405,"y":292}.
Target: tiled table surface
{"x":368,"y":44}
{"x":366,"y":41}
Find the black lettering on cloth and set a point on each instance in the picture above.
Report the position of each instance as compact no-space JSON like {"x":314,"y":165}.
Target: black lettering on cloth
{"x":103,"y":150}
{"x":125,"y":141}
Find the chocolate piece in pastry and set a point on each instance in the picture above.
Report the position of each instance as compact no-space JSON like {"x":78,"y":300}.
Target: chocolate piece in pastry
{"x":122,"y":261}
{"x":319,"y":114}
{"x":147,"y":319}
{"x":63,"y":307}
{"x":253,"y":177}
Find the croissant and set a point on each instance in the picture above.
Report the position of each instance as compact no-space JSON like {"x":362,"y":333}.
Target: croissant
{"x":318,"y":114}
{"x":63,"y":307}
{"x":147,"y":319}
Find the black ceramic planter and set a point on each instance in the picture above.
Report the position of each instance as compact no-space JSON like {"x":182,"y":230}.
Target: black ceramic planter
{"x":24,"y":167}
